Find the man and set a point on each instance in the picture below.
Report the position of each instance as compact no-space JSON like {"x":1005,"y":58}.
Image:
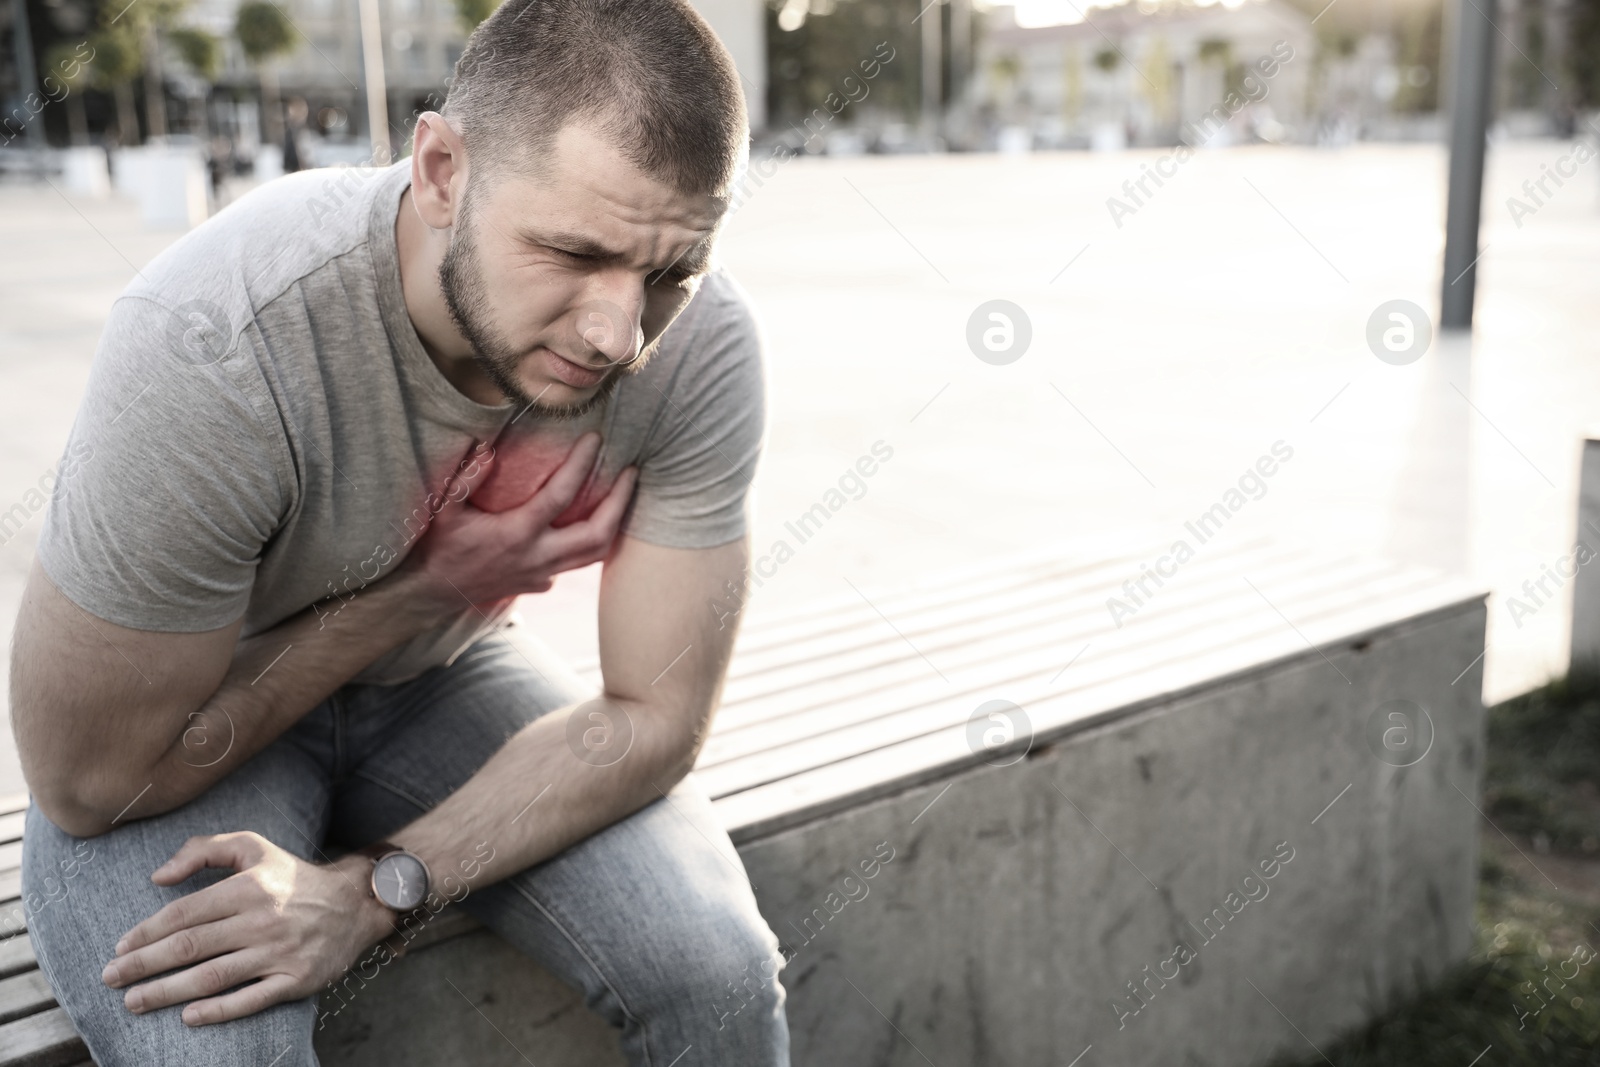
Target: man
{"x":328,"y":437}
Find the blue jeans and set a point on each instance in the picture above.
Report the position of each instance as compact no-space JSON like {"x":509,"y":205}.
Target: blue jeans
{"x":652,"y":918}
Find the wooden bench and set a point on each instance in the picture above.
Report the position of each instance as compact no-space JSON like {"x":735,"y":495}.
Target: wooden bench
{"x":33,"y":1031}
{"x":1034,"y":878}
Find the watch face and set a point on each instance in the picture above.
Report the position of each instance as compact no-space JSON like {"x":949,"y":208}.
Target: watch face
{"x":400,"y":881}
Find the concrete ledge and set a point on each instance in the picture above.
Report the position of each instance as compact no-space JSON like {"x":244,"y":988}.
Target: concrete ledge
{"x":1585,"y":652}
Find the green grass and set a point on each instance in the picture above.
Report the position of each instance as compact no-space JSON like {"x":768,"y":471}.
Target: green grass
{"x":1542,"y":775}
{"x":1542,"y":781}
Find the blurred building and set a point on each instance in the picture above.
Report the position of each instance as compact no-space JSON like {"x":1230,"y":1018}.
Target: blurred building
{"x":422,"y":40}
{"x":1144,"y":73}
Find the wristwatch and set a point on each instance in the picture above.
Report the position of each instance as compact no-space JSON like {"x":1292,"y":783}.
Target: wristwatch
{"x":400,"y":881}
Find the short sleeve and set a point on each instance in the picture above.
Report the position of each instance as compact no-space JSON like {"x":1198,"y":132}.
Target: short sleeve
{"x":695,"y":474}
{"x":173,"y":477}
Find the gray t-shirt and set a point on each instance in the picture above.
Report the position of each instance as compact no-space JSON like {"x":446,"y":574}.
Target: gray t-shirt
{"x":264,"y":427}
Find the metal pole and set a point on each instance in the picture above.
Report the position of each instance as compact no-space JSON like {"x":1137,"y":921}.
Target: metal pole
{"x":1469,"y":125}
{"x":932,"y":66}
{"x":27,"y":76}
{"x":377,"y":90}
{"x":960,"y":66}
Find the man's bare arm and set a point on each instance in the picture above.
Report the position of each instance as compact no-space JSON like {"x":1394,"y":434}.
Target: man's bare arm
{"x":115,"y":724}
{"x":664,"y":652}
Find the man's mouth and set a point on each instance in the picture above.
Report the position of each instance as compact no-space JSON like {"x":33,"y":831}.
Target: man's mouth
{"x":574,"y":374}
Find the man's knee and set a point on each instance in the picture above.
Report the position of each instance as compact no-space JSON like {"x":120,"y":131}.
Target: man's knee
{"x":78,"y":897}
{"x":726,"y":968}
{"x":280,"y":1036}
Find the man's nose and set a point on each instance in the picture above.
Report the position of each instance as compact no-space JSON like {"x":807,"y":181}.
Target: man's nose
{"x":608,"y":326}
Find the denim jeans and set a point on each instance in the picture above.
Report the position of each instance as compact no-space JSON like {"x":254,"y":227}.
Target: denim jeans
{"x":652,"y":919}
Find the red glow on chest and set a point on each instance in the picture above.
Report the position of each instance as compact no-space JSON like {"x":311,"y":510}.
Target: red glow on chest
{"x":522,"y":465}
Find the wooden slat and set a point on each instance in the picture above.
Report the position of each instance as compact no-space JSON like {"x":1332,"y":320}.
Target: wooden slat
{"x":774,"y":643}
{"x":1013,"y":612}
{"x":16,"y":955}
{"x":1064,"y":623}
{"x":43,"y":1040}
{"x":11,"y":826}
{"x":780,"y":626}
{"x":24,"y":994}
{"x":13,"y":802}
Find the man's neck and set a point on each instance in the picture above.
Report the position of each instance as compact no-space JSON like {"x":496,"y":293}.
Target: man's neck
{"x":420,"y":250}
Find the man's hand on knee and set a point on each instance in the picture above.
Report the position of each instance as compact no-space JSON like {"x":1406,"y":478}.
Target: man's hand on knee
{"x":293,"y":925}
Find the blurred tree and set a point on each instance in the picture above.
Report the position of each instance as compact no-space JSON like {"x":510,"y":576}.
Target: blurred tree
{"x":472,"y":12}
{"x":117,"y":63}
{"x":809,"y":58}
{"x":153,"y":20}
{"x":265,"y":33}
{"x":201,"y":51}
{"x":1217,"y":52}
{"x":1583,"y":52}
{"x":1156,"y":83}
{"x":1524,"y":68}
{"x":1006,"y":68}
{"x":66,"y":74}
{"x":1421,"y":34}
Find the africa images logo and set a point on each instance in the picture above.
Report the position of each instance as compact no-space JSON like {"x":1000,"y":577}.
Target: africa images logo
{"x":199,"y":333}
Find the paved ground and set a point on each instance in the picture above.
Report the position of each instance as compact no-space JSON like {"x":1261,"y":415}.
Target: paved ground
{"x":1227,"y":313}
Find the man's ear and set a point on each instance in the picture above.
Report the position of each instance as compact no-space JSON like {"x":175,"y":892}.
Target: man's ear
{"x":438,"y":170}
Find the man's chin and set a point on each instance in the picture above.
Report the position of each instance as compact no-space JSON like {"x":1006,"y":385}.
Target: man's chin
{"x":550,"y":398}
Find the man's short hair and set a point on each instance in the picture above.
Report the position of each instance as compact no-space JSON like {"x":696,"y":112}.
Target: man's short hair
{"x":649,"y":74}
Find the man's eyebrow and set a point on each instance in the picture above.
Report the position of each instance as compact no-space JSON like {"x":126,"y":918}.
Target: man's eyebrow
{"x":575,"y":243}
{"x":692,"y":261}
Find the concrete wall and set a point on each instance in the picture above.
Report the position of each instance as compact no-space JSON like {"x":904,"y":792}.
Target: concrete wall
{"x":1586,"y":583}
{"x":1020,"y":900}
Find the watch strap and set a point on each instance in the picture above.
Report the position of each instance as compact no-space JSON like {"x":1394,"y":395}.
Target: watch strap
{"x":378,"y":849}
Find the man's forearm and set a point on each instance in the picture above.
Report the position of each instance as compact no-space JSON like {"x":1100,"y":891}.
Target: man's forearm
{"x":537,"y":796}
{"x":276,"y":677}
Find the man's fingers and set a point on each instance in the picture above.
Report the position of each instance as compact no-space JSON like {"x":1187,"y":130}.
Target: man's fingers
{"x":236,"y":852}
{"x":182,"y":947}
{"x":258,"y":996}
{"x":562,"y":487}
{"x":210,"y":904}
{"x":582,"y":543}
{"x":205,"y":979}
{"x":231,"y":851}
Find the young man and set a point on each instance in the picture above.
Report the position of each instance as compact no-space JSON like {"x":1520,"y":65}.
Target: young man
{"x":328,"y":438}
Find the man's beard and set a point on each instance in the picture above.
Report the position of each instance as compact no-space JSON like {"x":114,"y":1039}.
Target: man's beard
{"x":461,"y":281}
